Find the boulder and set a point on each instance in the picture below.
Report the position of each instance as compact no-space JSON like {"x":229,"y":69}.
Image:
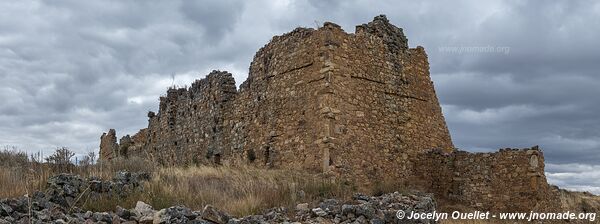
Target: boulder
{"x":144,"y":212}
{"x":215,"y":215}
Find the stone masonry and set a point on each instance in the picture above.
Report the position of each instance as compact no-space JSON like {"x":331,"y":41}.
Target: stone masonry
{"x":316,"y":100}
{"x":108,"y":145}
{"x":507,"y":180}
{"x":357,"y":105}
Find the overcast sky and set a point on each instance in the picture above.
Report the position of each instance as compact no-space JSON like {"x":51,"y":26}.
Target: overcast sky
{"x":508,"y":73}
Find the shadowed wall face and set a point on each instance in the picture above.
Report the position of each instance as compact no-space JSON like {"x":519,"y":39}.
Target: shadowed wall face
{"x":360,"y":106}
{"x":315,"y":100}
{"x":384,"y":108}
{"x":507,"y":180}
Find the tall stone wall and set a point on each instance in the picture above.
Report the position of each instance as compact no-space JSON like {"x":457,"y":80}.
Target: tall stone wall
{"x":189,"y":125}
{"x":272,"y":121}
{"x":383,"y":105}
{"x":357,"y":105}
{"x":316,"y":100}
{"x":275,"y":121}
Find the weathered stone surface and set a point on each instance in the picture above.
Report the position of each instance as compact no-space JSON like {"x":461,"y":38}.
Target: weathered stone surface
{"x":358,"y":106}
{"x":362,"y":209}
{"x":65,"y":189}
{"x":506,"y":180}
{"x":124,"y":143}
{"x":58,"y":203}
{"x":314,"y":100}
{"x":319,"y":212}
{"x":144,"y":212}
{"x":302,"y":207}
{"x":108,"y":145}
{"x":175,"y":214}
{"x":123,"y":213}
{"x":215,"y":215}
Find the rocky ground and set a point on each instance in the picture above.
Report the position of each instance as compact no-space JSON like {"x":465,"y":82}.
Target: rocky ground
{"x":57,"y":204}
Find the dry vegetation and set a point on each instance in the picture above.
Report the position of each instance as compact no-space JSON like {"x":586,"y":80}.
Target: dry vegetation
{"x":21,"y":174}
{"x":579,"y":201}
{"x":238,"y":190}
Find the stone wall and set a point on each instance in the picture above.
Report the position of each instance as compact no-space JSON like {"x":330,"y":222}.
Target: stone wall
{"x":383,"y":105}
{"x":189,"y":125}
{"x":507,"y":180}
{"x":316,"y":100}
{"x":359,"y":106}
{"x":108,"y":145}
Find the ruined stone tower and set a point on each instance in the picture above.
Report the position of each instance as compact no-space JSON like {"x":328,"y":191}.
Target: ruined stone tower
{"x":359,"y":105}
{"x":321,"y":100}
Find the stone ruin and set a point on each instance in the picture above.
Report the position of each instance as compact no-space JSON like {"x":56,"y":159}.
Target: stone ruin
{"x":357,"y":105}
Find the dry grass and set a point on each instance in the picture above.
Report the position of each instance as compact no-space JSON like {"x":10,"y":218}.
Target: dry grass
{"x":579,"y":201}
{"x":576,"y":202}
{"x":19,"y":176}
{"x":237,"y":190}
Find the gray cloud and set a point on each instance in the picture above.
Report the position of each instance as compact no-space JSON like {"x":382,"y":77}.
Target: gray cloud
{"x":70,"y":70}
{"x":214,"y":17}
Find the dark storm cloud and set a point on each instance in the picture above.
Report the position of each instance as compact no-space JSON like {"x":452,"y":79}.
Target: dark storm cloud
{"x":215,"y":17}
{"x":70,"y":70}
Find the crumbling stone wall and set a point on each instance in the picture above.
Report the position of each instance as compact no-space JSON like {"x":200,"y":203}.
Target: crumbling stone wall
{"x":315,"y":100}
{"x":109,"y":148}
{"x":276,"y":120}
{"x":136,"y":146}
{"x":383,"y":105}
{"x":108,"y":145}
{"x":268,"y":122}
{"x":507,"y":180}
{"x":357,"y":105}
{"x":189,"y":125}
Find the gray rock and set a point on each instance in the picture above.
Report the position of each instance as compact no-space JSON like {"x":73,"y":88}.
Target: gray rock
{"x":302,"y":207}
{"x":144,"y":212}
{"x":5,"y":210}
{"x":234,"y":221}
{"x":175,"y":214}
{"x":377,"y":221}
{"x":161,"y":217}
{"x":200,"y":221}
{"x":319,"y":212}
{"x":96,"y":186}
{"x":366,"y":210}
{"x":143,"y":208}
{"x":212,"y":214}
{"x":330,"y":206}
{"x":48,"y":207}
{"x":60,"y":221}
{"x":88,"y":215}
{"x":347,"y":209}
{"x":42,"y":215}
{"x":361,"y":197}
{"x":123,"y":213}
{"x":9,"y":219}
{"x":361,"y":219}
{"x":102,"y":217}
